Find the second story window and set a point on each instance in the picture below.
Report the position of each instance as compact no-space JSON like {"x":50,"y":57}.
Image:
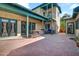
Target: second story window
{"x":43,"y":13}
{"x":49,"y":15}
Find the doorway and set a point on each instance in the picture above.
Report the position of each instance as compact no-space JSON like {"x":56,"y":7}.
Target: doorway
{"x":70,"y":28}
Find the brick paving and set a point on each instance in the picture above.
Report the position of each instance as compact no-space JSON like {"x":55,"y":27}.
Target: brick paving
{"x":7,"y":46}
{"x":51,"y":45}
{"x":47,"y":45}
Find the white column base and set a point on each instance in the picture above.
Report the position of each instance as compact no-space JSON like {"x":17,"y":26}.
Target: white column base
{"x":5,"y":34}
{"x":18,"y":28}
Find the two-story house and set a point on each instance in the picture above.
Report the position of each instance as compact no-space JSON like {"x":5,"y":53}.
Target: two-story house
{"x":17,"y":21}
{"x":52,"y":12}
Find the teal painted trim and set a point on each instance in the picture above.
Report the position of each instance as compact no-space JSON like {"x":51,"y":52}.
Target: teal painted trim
{"x":8,"y":27}
{"x":21,"y":12}
{"x":44,"y":4}
{"x":0,"y":26}
{"x":15,"y":28}
{"x":26,"y":28}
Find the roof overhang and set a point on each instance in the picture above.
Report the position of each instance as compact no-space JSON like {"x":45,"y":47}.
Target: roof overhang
{"x":18,"y":9}
{"x":52,"y":4}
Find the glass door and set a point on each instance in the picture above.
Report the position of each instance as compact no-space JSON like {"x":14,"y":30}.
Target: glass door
{"x":4,"y":28}
{"x":12,"y":27}
{"x":8,"y":27}
{"x":23,"y":28}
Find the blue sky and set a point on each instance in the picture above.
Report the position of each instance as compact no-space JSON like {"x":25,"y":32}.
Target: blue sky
{"x":65,"y":7}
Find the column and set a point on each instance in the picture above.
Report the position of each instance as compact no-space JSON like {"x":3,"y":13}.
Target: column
{"x":47,"y":10}
{"x":27,"y":26}
{"x":4,"y":34}
{"x":52,"y":25}
{"x":43,"y":25}
{"x":18,"y":28}
{"x":52,"y":9}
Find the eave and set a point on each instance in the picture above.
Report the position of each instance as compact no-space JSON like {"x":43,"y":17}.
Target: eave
{"x":44,"y":4}
{"x":18,"y":9}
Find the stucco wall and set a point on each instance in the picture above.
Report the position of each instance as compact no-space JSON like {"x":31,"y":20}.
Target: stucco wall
{"x":5,"y":14}
{"x":39,"y":24}
{"x":58,"y":19}
{"x":77,"y":17}
{"x":77,"y":30}
{"x":38,"y":11}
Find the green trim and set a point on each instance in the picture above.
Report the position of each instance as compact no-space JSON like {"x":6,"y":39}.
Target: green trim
{"x":75,"y":12}
{"x":15,"y":28}
{"x":0,"y":26}
{"x":44,"y":4}
{"x":17,"y":9}
{"x":8,"y":27}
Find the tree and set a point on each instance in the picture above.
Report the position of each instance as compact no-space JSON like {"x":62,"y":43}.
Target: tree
{"x":63,"y":22}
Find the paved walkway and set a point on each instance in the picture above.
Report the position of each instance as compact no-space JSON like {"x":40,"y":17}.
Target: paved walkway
{"x":6,"y":46}
{"x":51,"y":45}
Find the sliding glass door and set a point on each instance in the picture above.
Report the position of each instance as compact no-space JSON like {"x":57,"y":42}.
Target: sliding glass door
{"x":8,"y":27}
{"x":23,"y":28}
{"x":32,"y":26}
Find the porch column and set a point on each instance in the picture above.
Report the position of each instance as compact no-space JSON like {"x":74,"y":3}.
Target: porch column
{"x":47,"y":10}
{"x":18,"y":28}
{"x":52,"y":9}
{"x":43,"y":25}
{"x":52,"y":25}
{"x":27,"y":26}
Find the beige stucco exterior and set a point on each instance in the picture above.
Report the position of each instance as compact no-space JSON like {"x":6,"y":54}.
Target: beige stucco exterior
{"x":19,"y":18}
{"x":55,"y":15}
{"x":77,"y":30}
{"x":39,"y":24}
{"x":40,"y":11}
{"x":5,"y":14}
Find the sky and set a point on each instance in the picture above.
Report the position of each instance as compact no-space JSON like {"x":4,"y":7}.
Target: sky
{"x":65,"y":7}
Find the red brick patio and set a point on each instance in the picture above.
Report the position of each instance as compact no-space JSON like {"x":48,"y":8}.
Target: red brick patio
{"x":51,"y":45}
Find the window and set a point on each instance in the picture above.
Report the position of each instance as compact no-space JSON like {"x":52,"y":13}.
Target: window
{"x":43,"y":13}
{"x":8,"y":27}
{"x":23,"y":28}
{"x":32,"y":26}
{"x":49,"y":15}
{"x":77,"y":24}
